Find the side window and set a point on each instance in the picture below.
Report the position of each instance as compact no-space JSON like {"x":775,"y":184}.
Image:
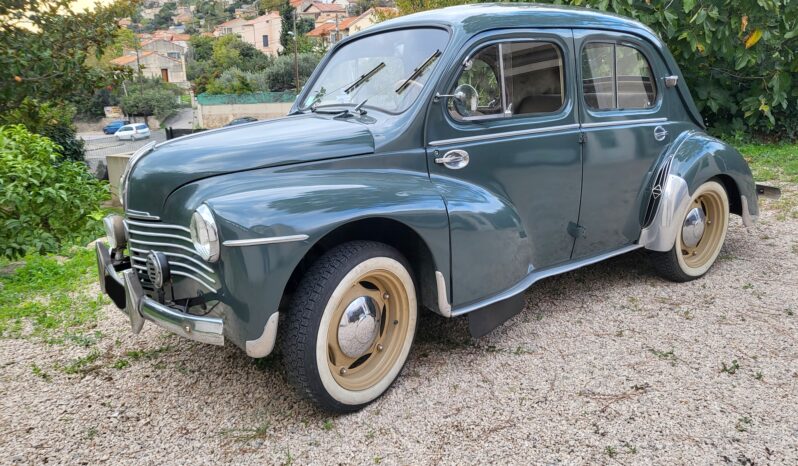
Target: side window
{"x":482,"y":85}
{"x":126,"y":128}
{"x":513,"y":78}
{"x":533,"y":77}
{"x":616,"y":77}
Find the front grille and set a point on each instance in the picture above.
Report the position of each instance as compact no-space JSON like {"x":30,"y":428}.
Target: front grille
{"x":175,"y":242}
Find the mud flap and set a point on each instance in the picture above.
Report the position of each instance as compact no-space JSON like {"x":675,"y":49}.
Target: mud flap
{"x":483,"y":321}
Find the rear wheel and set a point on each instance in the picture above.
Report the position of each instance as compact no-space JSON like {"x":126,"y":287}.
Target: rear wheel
{"x":700,"y":237}
{"x":350,"y":325}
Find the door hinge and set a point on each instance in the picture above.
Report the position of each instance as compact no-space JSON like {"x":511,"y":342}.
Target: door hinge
{"x":582,"y":138}
{"x":575,"y":230}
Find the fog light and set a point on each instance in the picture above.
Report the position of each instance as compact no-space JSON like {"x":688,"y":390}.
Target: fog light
{"x":158,"y":269}
{"x":115,"y":231}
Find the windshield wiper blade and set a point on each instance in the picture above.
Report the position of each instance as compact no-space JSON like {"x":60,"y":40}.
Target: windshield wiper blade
{"x":418,"y":71}
{"x":364,"y":78}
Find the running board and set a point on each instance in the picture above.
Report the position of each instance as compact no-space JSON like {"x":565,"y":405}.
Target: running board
{"x":538,"y":275}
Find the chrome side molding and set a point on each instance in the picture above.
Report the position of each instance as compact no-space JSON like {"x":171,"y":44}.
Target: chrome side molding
{"x":267,"y":240}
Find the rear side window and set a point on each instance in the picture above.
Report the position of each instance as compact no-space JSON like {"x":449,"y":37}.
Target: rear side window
{"x":507,"y":79}
{"x":616,"y":77}
{"x":126,"y":128}
{"x":141,"y":126}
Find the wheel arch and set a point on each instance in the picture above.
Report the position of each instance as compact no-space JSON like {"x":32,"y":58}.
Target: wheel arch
{"x":385,"y":230}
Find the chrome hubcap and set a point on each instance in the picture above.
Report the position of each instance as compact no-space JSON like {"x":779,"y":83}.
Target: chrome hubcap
{"x":359,"y":327}
{"x":693,"y":228}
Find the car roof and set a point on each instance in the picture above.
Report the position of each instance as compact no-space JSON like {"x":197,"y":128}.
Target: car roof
{"x":475,"y":18}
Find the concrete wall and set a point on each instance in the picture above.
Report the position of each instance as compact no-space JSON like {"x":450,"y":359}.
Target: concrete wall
{"x":215,"y":116}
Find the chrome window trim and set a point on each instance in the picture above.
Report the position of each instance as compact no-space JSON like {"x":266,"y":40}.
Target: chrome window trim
{"x":158,"y":225}
{"x":267,"y":240}
{"x":642,"y":121}
{"x":506,"y":134}
{"x":174,"y":254}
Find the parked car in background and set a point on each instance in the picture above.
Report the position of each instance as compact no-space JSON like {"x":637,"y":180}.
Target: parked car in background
{"x":446,"y":161}
{"x":133,"y":132}
{"x":114,"y":126}
{"x":241,"y":121}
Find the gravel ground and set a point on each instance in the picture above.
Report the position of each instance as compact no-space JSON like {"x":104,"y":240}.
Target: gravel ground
{"x":608,"y":364}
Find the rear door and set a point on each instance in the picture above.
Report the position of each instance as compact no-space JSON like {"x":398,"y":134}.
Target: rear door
{"x":511,"y":203}
{"x":625,"y":129}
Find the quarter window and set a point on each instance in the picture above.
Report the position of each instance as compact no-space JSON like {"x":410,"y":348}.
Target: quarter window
{"x":514,"y":78}
{"x":616,"y":77}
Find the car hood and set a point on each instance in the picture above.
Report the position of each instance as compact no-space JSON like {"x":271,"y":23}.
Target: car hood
{"x":284,"y":141}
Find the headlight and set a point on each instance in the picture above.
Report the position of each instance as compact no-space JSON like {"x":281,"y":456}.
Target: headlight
{"x":129,"y":167}
{"x":204,"y":234}
{"x":114,"y":231}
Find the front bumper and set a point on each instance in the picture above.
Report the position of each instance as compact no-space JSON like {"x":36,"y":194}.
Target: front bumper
{"x":128,"y":295}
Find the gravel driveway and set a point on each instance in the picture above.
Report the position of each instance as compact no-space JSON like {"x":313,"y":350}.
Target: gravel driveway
{"x":608,"y":364}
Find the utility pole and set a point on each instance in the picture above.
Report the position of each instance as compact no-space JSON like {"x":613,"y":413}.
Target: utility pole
{"x":296,"y":57}
{"x":337,"y":32}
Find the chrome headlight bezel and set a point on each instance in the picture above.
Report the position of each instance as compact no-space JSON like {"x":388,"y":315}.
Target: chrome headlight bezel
{"x":115,"y":231}
{"x":131,"y":162}
{"x":204,"y":234}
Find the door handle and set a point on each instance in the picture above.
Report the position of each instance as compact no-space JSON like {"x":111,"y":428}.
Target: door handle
{"x":454,"y":159}
{"x":660,"y":133}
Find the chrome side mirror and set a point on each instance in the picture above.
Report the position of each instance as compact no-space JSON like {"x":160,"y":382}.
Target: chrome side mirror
{"x":465,"y":99}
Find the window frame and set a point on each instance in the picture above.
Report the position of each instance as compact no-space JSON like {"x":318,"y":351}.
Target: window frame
{"x":505,"y":114}
{"x":656,"y":103}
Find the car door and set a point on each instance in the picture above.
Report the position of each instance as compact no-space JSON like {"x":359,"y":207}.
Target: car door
{"x":625,"y":129}
{"x":506,"y":158}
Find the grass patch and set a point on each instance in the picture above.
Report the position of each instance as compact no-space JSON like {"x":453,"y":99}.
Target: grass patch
{"x":772,"y":161}
{"x":82,"y":365}
{"x":45,"y":296}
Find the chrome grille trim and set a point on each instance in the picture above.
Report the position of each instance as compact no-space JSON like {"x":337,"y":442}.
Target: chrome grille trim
{"x":174,"y":254}
{"x":167,"y":245}
{"x":188,"y":275}
{"x":179,"y":264}
{"x":158,"y":225}
{"x":160,"y":235}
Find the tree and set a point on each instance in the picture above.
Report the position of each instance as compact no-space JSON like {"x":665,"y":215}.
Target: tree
{"x":150,"y":98}
{"x":44,"y":47}
{"x":163,"y":19}
{"x":50,"y":120}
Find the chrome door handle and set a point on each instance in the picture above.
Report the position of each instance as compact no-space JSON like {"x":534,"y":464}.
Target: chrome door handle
{"x":454,"y":159}
{"x":660,"y":133}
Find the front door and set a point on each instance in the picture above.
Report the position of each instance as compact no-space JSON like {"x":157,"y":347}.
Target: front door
{"x":506,"y":157}
{"x":164,"y":75}
{"x":625,"y":130}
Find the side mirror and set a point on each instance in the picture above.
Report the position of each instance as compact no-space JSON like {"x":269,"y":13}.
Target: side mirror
{"x":465,"y":99}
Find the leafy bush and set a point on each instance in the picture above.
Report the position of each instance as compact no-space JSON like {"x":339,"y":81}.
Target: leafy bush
{"x":739,"y":57}
{"x":45,"y":202}
{"x":151,"y":97}
{"x":51,"y":120}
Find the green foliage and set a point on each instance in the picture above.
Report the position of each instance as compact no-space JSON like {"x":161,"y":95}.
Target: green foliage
{"x":281,"y":73}
{"x":277,"y":78}
{"x":45,"y":45}
{"x":50,"y":120}
{"x":739,"y":57}
{"x":162,"y":19}
{"x":772,"y":161}
{"x":45,"y":202}
{"x":151,"y":97}
{"x":49,"y":292}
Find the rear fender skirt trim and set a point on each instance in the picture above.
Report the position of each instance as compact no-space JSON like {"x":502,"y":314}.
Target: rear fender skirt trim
{"x":660,"y":235}
{"x":444,"y":308}
{"x":264,"y":344}
{"x":748,"y":219}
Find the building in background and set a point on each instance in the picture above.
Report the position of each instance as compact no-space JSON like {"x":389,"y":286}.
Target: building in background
{"x":264,"y":32}
{"x":333,"y":30}
{"x":234,"y":26}
{"x":322,"y":12}
{"x":155,"y":65}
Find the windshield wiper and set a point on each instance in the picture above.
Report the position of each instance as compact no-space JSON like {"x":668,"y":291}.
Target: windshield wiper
{"x":418,"y":71}
{"x":364,"y":78}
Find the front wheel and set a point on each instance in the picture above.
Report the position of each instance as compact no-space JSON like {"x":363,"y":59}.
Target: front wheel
{"x":700,"y":236}
{"x":350,"y":325}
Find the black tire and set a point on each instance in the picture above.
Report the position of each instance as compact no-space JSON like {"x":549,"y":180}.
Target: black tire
{"x":672,"y":264}
{"x":306,"y":313}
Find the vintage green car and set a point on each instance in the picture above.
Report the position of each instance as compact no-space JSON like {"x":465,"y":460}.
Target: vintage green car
{"x":446,"y":161}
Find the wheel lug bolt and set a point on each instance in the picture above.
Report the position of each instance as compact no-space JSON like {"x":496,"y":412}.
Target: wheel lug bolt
{"x":343,"y":371}
{"x":380,"y":347}
{"x":386,"y":296}
{"x":396,"y":322}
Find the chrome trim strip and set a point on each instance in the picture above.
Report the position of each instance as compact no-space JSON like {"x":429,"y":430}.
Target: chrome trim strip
{"x":144,"y":216}
{"x":172,"y":254}
{"x":264,"y":344}
{"x":159,"y":235}
{"x":169,"y":245}
{"x":183,"y":274}
{"x":443,"y":298}
{"x":533,"y":277}
{"x":660,"y":234}
{"x":506,"y":134}
{"x":268,"y":240}
{"x":188,"y":275}
{"x":603,"y":124}
{"x":158,"y":225}
{"x":175,"y":263}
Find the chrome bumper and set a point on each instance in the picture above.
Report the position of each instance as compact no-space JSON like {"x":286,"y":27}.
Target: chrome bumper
{"x":129,"y":297}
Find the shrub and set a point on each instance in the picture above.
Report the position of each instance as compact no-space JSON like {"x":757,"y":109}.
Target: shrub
{"x":51,"y":120}
{"x":45,"y":202}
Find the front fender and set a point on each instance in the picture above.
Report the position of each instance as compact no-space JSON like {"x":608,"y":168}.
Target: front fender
{"x":696,"y":157}
{"x":303,"y":202}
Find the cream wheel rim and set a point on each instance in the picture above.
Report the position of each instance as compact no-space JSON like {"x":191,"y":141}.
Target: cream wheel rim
{"x":711,"y":204}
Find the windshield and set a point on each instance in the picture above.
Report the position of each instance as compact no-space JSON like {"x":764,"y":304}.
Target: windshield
{"x":389,"y":69}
